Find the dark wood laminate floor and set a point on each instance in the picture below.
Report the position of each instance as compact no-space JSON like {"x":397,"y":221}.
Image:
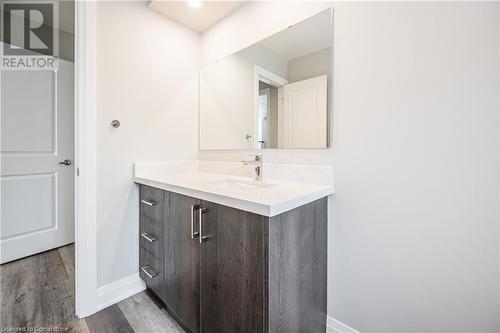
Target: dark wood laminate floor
{"x":37,"y":293}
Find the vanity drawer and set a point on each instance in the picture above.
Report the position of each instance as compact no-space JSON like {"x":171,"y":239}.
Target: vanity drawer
{"x":151,"y":236}
{"x":151,"y":202}
{"x":151,"y":271}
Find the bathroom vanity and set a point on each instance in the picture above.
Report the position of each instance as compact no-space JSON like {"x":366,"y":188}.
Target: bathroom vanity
{"x":228,"y":254}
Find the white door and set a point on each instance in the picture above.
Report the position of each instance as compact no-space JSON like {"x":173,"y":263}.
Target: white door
{"x":37,"y":132}
{"x":305,"y":113}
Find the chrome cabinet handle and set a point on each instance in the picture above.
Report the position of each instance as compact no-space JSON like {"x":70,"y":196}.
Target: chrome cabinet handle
{"x":149,"y":236}
{"x":146,"y":270}
{"x":65,"y":162}
{"x":193,"y":233}
{"x":200,"y":223}
{"x":149,"y":202}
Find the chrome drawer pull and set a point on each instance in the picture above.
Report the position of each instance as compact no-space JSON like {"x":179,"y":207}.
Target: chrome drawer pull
{"x":148,"y":236}
{"x":193,"y":208}
{"x":145,"y":270}
{"x":149,"y":202}
{"x":200,"y":223}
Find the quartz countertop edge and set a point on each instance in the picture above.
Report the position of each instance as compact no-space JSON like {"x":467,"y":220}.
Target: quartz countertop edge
{"x":266,"y":205}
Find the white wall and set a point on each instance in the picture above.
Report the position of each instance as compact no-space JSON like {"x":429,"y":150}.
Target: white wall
{"x":413,"y":246}
{"x":147,"y":79}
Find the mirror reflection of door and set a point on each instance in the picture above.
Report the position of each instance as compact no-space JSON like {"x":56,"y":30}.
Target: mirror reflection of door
{"x":305,"y":114}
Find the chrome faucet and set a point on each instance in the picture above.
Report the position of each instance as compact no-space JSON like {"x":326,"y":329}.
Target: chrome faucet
{"x":257,"y":161}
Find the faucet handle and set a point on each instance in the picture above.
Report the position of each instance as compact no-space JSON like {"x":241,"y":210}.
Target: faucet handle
{"x":257,"y":161}
{"x":257,"y":158}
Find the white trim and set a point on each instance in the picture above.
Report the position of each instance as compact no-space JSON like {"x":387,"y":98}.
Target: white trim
{"x":335,"y":326}
{"x":117,"y":291}
{"x":85,"y":158}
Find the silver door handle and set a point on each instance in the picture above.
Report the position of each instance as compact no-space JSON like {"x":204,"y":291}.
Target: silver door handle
{"x":146,"y":269}
{"x":149,"y":202}
{"x":65,"y":162}
{"x":148,"y":236}
{"x":200,"y":222}
{"x":193,"y":233}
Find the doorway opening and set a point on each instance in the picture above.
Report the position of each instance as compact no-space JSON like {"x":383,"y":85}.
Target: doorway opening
{"x":268,"y":107}
{"x":38,"y":172}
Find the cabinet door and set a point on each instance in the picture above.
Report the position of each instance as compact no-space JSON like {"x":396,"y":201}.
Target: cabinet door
{"x":232,"y":270}
{"x":182,"y":260}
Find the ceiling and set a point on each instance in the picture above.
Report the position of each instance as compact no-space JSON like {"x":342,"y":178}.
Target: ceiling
{"x":198,"y":19}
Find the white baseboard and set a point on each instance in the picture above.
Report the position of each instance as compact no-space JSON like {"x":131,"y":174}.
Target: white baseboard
{"x":117,"y":291}
{"x":335,"y":326}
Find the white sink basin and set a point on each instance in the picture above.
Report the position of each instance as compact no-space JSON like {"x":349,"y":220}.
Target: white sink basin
{"x":241,"y":184}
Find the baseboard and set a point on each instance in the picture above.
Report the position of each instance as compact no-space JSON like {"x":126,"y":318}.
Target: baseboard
{"x":117,"y":291}
{"x":335,"y":326}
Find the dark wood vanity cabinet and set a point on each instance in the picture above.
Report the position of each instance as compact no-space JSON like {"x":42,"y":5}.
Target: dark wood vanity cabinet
{"x":227,"y":270}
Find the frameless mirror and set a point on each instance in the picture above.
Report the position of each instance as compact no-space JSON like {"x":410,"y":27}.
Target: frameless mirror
{"x":273,"y":94}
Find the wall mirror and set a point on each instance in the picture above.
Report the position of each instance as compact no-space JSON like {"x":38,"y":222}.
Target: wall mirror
{"x":273,"y":94}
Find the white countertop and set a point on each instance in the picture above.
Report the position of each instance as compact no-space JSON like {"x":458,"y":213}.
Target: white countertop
{"x":268,"y":201}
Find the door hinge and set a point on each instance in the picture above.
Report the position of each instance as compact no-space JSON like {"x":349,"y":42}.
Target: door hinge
{"x":77,"y":172}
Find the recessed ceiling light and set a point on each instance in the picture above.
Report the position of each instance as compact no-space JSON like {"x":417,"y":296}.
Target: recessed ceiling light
{"x":194,"y":3}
